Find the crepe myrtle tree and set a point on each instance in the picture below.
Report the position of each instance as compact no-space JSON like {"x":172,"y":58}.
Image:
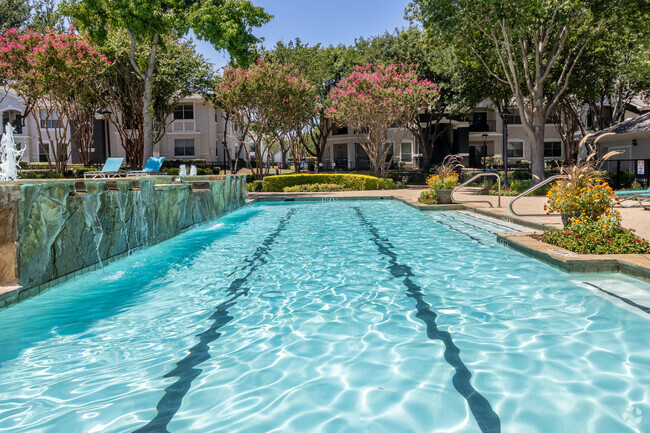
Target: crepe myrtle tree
{"x":374,"y":99}
{"x":265,"y":102}
{"x":59,"y":75}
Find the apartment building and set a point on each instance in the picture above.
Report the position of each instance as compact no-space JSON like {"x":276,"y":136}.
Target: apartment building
{"x":196,"y":130}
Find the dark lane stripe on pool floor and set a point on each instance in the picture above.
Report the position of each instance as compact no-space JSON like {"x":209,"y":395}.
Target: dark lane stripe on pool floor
{"x":185,"y":369}
{"x":627,"y":301}
{"x":487,"y":420}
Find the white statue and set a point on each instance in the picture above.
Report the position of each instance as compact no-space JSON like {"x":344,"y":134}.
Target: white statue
{"x":9,"y":155}
{"x":182,"y":170}
{"x":193,"y":170}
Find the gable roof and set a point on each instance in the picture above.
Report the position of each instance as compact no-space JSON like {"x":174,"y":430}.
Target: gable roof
{"x":638,"y":124}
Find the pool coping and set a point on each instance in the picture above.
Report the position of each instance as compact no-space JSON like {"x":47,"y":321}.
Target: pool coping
{"x":634,"y":265}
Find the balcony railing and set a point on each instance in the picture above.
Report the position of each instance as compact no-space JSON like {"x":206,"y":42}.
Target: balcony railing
{"x":482,"y":126}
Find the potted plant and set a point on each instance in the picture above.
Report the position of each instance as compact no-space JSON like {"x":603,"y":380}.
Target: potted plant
{"x":445,"y":178}
{"x":582,"y":194}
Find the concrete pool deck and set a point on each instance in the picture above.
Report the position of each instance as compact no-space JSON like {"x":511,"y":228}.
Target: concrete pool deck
{"x":635,"y":265}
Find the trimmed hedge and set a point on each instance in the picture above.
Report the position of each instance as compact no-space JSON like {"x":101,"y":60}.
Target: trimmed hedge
{"x":353,"y":182}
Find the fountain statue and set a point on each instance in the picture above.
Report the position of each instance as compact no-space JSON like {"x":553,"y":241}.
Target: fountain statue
{"x":9,"y":155}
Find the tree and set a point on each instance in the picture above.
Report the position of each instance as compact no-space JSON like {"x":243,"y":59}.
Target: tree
{"x":60,"y":75}
{"x":461,"y":84}
{"x":267,"y":101}
{"x":533,"y":47}
{"x":614,"y":70}
{"x":226,"y":24}
{"x":323,"y":67}
{"x":37,"y":15}
{"x":181,"y":71}
{"x":374,"y":99}
{"x":13,"y":14}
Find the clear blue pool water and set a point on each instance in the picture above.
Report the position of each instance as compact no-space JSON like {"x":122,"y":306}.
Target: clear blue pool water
{"x":352,"y":316}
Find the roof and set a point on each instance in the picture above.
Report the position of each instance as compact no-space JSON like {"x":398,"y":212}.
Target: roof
{"x":637,"y":124}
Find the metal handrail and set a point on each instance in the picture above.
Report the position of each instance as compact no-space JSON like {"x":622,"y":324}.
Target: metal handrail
{"x":470,"y":181}
{"x":531,"y":189}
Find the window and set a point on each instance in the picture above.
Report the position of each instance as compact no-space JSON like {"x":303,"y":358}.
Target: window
{"x":51,"y":122}
{"x":42,"y":155}
{"x":184,"y":147}
{"x":18,"y":124}
{"x":184,"y":117}
{"x":184,"y":112}
{"x":339,"y":130}
{"x":515,"y":149}
{"x":552,"y":149}
{"x":407,"y":152}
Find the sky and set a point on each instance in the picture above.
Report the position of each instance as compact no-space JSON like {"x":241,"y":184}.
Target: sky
{"x":330,"y":22}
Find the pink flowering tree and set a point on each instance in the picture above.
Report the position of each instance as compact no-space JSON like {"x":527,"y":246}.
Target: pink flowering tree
{"x":59,"y":76}
{"x":374,"y":99}
{"x":265,"y":103}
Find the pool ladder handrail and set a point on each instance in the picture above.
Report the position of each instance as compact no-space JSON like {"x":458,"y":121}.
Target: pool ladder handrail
{"x":470,"y":181}
{"x":531,"y":189}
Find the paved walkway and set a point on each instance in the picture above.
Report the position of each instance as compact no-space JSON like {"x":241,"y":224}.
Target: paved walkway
{"x":635,"y":218}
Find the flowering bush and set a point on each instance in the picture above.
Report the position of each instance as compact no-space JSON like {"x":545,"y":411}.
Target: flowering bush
{"x":602,"y":235}
{"x":449,"y":181}
{"x":589,"y":199}
{"x":428,"y":196}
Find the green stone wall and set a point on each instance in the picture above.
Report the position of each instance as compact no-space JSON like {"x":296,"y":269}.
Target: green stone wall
{"x":51,"y":229}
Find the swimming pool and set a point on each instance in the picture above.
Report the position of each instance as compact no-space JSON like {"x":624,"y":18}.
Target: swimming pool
{"x":364,"y":316}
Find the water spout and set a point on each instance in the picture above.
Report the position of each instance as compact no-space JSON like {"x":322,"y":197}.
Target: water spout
{"x":9,"y":155}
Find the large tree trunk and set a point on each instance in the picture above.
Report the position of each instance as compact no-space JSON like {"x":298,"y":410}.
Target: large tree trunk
{"x":147,"y":98}
{"x":537,"y":147}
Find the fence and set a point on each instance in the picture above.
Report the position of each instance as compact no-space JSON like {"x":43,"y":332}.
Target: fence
{"x":623,"y":172}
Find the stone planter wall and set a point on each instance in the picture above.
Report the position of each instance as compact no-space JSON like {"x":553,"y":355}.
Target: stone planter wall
{"x":50,"y":229}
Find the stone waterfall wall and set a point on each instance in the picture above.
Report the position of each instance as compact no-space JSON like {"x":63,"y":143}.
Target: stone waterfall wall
{"x":52,"y":229}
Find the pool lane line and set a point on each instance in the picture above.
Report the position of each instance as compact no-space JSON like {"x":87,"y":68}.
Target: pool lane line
{"x":186,"y":370}
{"x":487,"y":420}
{"x":626,"y":300}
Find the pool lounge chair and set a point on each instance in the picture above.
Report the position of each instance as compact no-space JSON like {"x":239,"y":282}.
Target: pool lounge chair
{"x":110,"y":169}
{"x":642,"y":196}
{"x":152,"y":167}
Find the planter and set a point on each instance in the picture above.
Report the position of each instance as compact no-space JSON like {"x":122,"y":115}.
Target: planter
{"x":444,"y":196}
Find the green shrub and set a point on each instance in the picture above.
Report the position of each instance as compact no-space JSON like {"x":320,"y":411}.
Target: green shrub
{"x":314,"y":187}
{"x":352,"y":182}
{"x":79,"y":172}
{"x":171,"y":171}
{"x":258,"y":186}
{"x":39,"y":174}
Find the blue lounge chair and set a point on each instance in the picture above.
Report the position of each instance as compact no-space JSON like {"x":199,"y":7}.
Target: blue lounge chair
{"x":110,"y":169}
{"x":152,"y":167}
{"x":642,"y":196}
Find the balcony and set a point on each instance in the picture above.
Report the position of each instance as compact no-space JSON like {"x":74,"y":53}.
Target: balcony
{"x":482,"y":125}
